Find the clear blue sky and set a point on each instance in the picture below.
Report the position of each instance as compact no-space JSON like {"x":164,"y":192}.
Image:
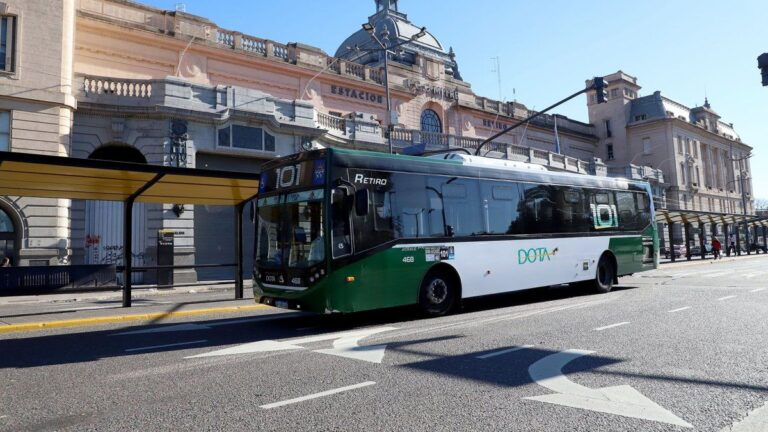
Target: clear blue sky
{"x":547,"y":49}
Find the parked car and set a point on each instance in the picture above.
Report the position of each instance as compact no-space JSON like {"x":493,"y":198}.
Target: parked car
{"x":679,"y":250}
{"x":696,"y":250}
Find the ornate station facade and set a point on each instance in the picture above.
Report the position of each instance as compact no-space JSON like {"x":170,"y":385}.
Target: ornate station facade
{"x":115,"y":79}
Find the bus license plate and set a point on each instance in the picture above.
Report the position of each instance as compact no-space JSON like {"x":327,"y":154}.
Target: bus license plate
{"x":281,"y":304}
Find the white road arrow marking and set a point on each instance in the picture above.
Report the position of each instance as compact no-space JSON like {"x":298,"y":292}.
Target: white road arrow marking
{"x":348,"y":347}
{"x":620,"y":400}
{"x":345,"y":345}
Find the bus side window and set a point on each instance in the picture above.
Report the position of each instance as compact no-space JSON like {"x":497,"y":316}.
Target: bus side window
{"x":538,"y":209}
{"x":603,"y":209}
{"x":408,"y":203}
{"x":463,"y":207}
{"x":625,"y":204}
{"x":643,"y":209}
{"x":341,"y":237}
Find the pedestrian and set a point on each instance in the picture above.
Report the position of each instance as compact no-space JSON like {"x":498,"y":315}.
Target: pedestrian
{"x":6,"y":262}
{"x":732,"y":244}
{"x":716,"y":246}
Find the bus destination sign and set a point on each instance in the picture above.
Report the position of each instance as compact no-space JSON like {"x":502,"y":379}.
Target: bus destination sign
{"x":301,"y":174}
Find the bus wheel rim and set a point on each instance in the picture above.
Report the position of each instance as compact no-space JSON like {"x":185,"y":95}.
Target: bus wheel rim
{"x":437,"y":292}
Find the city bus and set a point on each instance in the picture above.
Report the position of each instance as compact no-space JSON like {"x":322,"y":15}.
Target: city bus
{"x":341,"y":231}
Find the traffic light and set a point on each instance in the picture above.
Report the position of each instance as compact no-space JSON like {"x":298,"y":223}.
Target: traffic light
{"x":762,"y":63}
{"x":600,"y":89}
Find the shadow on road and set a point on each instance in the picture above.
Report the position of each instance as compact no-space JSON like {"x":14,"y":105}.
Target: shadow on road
{"x":86,"y":345}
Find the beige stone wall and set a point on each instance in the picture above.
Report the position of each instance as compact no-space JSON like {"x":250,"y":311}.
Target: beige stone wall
{"x":38,"y":95}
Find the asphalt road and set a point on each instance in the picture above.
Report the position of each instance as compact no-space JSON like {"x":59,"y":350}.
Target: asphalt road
{"x":681,"y":348}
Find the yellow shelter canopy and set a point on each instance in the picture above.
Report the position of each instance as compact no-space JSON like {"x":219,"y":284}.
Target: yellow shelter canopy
{"x":31,"y":175}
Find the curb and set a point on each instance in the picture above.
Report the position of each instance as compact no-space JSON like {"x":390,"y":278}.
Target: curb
{"x":14,"y":328}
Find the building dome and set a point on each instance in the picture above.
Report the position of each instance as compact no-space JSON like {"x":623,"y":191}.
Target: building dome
{"x":391,"y":24}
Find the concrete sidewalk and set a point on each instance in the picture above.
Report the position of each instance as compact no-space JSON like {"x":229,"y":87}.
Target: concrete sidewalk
{"x":697,"y":259}
{"x":29,"y":313}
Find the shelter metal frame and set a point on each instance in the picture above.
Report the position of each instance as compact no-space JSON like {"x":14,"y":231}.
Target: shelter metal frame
{"x":689,"y":217}
{"x":45,"y":176}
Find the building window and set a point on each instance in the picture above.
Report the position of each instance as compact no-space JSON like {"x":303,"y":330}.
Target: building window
{"x":695,"y":149}
{"x":609,"y":147}
{"x":5,"y":131}
{"x":8,"y":43}
{"x":680,"y":144}
{"x":640,"y":117}
{"x":7,"y":238}
{"x":614,"y":93}
{"x":682,"y":172}
{"x":430,"y":122}
{"x":646,"y":146}
{"x":608,"y":132}
{"x":246,"y":137}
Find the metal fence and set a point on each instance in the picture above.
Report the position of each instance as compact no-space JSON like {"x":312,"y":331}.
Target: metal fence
{"x":33,"y":280}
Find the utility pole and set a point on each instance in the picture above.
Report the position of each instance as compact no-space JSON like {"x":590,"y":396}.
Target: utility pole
{"x":598,"y":84}
{"x":387,"y":49}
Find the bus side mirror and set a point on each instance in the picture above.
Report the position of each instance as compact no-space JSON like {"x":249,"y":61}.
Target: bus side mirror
{"x":362,"y":202}
{"x":338,"y":195}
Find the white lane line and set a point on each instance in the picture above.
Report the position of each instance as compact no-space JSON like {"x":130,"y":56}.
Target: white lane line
{"x":726,"y":298}
{"x":757,"y":290}
{"x":751,"y":275}
{"x":612,"y":326}
{"x":166,"y":346}
{"x":679,"y":310}
{"x":505,"y":351}
{"x":716,"y":275}
{"x":317,"y":395}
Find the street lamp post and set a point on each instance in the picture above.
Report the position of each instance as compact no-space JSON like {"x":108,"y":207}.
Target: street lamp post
{"x":386,"y":49}
{"x":744,"y":175}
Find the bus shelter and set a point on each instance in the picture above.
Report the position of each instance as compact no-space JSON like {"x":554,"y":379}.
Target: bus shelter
{"x":721,"y":225}
{"x":42,"y":176}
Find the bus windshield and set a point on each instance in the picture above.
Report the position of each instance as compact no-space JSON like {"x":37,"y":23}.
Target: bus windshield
{"x":291,"y":230}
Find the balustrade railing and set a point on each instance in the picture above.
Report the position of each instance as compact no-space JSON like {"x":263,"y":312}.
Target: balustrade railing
{"x":280,"y":51}
{"x":355,"y":70}
{"x":331,"y":122}
{"x":541,"y":155}
{"x":252,"y":45}
{"x":225,"y":38}
{"x":377,"y":76}
{"x":124,"y":88}
{"x":334,"y":64}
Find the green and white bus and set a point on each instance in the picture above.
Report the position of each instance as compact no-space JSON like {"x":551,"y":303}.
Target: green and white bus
{"x":343,"y":231}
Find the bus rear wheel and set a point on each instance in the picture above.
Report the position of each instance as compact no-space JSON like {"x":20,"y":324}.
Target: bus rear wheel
{"x":437,"y":296}
{"x":605,"y":274}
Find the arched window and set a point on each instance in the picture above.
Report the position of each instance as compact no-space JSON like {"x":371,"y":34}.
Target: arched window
{"x":8,"y":237}
{"x":430,"y":122}
{"x":118,"y":153}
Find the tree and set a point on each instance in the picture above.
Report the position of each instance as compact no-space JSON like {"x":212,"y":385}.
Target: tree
{"x":761,"y":204}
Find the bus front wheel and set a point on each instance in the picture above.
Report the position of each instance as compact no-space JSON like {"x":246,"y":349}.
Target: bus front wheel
{"x":438,"y":293}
